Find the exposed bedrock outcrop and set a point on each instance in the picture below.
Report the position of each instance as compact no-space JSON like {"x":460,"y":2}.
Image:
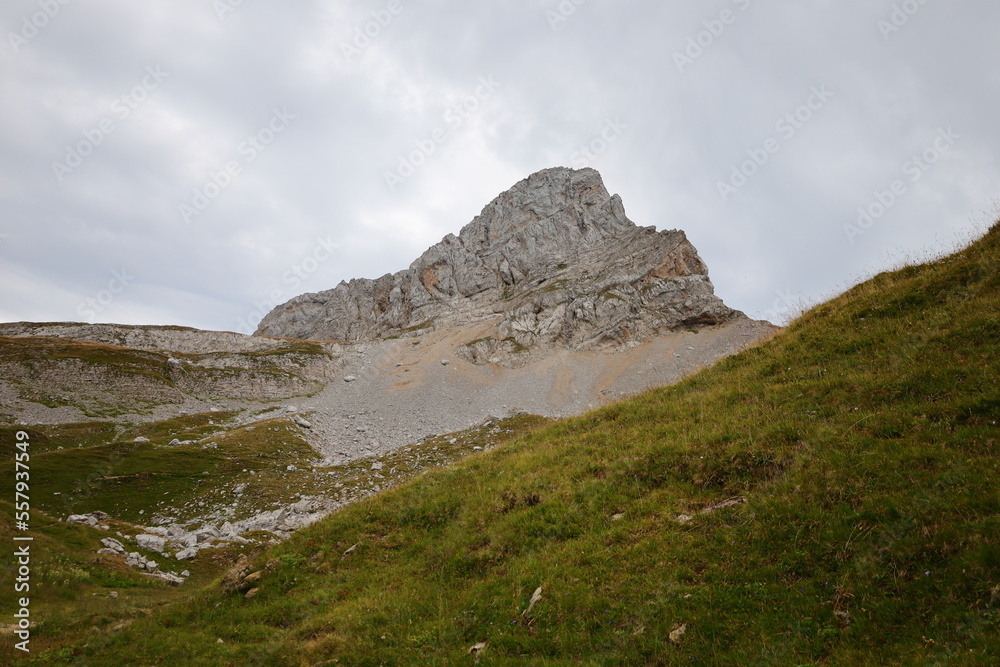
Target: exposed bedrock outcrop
{"x":554,"y":259}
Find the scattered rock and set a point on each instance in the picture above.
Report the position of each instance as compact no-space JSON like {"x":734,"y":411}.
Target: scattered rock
{"x":252,"y":593}
{"x":159,"y":520}
{"x":151,"y":542}
{"x":207,"y":533}
{"x":114,"y":545}
{"x":186,"y":540}
{"x":171,"y":579}
{"x":137,"y":560}
{"x":82,"y":519}
{"x":251,"y":579}
{"x":239,"y":578}
{"x":350,"y":378}
{"x":233,"y":578}
{"x":301,"y":422}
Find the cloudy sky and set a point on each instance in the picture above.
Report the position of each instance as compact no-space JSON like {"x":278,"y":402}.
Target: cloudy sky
{"x":195,"y":161}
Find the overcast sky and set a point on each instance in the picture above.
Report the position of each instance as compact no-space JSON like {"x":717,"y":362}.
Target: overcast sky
{"x":195,"y":161}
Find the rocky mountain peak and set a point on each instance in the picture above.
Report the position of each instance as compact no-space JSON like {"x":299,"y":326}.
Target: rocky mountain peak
{"x":559,"y":206}
{"x":554,"y":260}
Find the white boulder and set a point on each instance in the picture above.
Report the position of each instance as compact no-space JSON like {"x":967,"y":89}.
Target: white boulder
{"x":151,"y":542}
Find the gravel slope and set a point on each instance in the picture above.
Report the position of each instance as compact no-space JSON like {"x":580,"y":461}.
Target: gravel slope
{"x":403,"y":390}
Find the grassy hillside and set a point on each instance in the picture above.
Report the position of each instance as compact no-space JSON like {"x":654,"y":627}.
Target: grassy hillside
{"x":98,"y":466}
{"x":75,"y":592}
{"x":858,"y":451}
{"x":79,"y":468}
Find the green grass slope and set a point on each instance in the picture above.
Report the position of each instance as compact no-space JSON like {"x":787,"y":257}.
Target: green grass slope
{"x":79,"y":468}
{"x":98,"y":466}
{"x":75,"y":592}
{"x":133,"y":481}
{"x":863,"y":440}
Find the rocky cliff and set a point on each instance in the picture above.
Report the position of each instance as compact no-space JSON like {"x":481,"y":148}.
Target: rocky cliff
{"x":554,"y":260}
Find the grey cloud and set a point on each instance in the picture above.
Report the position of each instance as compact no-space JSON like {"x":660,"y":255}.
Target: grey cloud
{"x":781,"y":233}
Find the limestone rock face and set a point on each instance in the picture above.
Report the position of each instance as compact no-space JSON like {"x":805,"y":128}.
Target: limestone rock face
{"x":554,"y":260}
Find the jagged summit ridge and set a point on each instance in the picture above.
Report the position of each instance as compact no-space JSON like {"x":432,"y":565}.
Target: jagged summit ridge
{"x":554,"y":259}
